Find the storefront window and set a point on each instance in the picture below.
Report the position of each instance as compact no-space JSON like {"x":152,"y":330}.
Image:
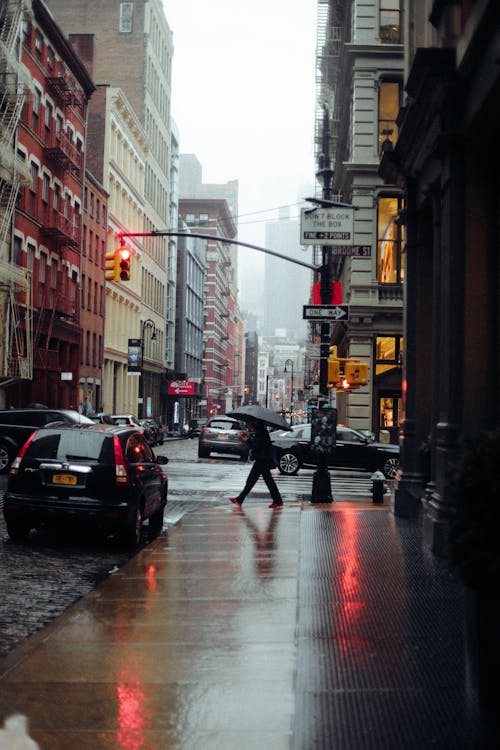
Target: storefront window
{"x":390,"y":413}
{"x":390,"y":240}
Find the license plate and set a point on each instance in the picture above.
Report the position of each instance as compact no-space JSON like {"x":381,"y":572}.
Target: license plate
{"x":64,"y":479}
{"x":223,"y":435}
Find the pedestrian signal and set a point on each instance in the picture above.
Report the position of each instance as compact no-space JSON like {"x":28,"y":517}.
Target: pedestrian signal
{"x":355,"y":375}
{"x":333,"y":368}
{"x":124,"y":256}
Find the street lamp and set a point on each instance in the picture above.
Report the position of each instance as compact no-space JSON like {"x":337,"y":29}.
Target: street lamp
{"x":148,"y":323}
{"x":291,"y":389}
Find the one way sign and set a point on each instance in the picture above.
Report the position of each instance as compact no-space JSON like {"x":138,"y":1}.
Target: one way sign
{"x":325,"y":312}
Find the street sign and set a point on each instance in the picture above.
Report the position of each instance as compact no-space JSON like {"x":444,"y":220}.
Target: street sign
{"x":353,"y":251}
{"x":327,"y":226}
{"x":325,"y":312}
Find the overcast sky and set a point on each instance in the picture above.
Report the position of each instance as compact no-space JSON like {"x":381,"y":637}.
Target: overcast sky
{"x":243,"y":98}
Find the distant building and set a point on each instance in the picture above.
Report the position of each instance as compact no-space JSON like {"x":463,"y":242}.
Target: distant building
{"x":214,"y":217}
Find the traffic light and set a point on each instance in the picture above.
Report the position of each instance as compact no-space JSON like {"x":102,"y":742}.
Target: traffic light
{"x":355,"y":374}
{"x":333,"y":367}
{"x":111,"y":266}
{"x":124,"y":256}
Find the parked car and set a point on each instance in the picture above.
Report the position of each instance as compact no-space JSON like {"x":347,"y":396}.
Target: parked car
{"x":102,"y":418}
{"x":16,"y":425}
{"x":131,"y":421}
{"x":196,"y":426}
{"x":353,"y":450}
{"x":223,"y":435}
{"x":155,"y":428}
{"x":103,"y":476}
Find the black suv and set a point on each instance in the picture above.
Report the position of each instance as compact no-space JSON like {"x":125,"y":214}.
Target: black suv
{"x":16,"y":425}
{"x":103,"y":476}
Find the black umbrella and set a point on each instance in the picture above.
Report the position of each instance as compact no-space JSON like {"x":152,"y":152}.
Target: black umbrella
{"x":254,"y":411}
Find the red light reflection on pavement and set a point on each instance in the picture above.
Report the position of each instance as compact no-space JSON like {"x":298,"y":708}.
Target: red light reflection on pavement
{"x":132,"y":720}
{"x":353,"y":602}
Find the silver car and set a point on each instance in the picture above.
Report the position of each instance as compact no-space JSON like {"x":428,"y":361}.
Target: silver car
{"x":223,"y":435}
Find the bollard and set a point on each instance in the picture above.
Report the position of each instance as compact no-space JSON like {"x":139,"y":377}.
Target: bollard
{"x":378,"y":487}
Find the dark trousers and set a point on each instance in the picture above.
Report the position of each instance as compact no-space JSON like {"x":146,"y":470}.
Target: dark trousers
{"x":260,"y":469}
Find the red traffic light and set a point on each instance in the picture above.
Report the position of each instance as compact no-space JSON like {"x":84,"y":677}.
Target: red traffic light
{"x":124,"y":263}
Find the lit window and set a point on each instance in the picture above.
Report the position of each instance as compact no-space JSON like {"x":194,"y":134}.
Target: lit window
{"x":388,"y":353}
{"x":390,"y":21}
{"x":390,"y":239}
{"x":389,"y":96}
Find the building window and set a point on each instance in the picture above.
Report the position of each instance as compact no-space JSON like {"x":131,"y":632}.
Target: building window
{"x":390,"y":240}
{"x":33,"y":187}
{"x":203,"y":220}
{"x":38,"y":44}
{"x":389,"y":98}
{"x":126,"y":17}
{"x":390,"y":21}
{"x":37,"y":98}
{"x":49,"y":114}
{"x":45,"y":188}
{"x":388,"y":353}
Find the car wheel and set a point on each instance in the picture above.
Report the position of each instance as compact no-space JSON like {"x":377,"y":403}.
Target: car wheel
{"x":289,"y":463}
{"x":4,"y":458}
{"x":391,"y":468}
{"x":156,"y":520}
{"x":131,"y":532}
{"x":18,"y":531}
{"x":203,"y":453}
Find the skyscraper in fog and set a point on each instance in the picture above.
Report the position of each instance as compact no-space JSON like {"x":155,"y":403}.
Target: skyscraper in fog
{"x":286,"y":285}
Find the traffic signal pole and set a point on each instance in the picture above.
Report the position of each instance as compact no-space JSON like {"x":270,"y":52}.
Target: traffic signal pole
{"x":321,"y":487}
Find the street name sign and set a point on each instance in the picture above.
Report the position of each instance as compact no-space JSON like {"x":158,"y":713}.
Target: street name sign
{"x":325,"y":312}
{"x":327,"y":226}
{"x":353,"y":251}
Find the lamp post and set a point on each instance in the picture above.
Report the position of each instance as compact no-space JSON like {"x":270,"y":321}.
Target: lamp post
{"x":291,"y":388}
{"x":148,"y":323}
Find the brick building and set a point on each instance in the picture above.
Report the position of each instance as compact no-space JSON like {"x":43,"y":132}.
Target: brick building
{"x":47,"y":238}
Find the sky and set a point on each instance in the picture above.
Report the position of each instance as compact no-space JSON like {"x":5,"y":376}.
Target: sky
{"x":243,"y":99}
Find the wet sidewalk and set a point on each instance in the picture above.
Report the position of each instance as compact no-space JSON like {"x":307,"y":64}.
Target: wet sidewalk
{"x":314,"y":627}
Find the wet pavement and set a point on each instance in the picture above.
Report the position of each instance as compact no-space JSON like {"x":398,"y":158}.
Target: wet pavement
{"x":315,"y":626}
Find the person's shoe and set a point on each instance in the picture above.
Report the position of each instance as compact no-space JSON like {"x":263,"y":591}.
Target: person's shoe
{"x":276,"y":505}
{"x":235,"y":501}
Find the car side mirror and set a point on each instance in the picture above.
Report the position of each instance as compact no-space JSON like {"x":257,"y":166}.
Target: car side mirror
{"x":161,"y":459}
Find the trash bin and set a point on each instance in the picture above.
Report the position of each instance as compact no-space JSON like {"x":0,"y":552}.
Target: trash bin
{"x":378,"y":487}
{"x":384,"y":436}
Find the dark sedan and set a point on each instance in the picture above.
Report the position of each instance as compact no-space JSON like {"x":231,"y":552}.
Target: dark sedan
{"x":103,"y":476}
{"x":353,"y":450}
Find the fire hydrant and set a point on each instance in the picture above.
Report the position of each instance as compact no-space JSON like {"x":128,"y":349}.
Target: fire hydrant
{"x":378,"y":487}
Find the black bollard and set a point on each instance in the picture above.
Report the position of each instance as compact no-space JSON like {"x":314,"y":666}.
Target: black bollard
{"x":378,"y":487}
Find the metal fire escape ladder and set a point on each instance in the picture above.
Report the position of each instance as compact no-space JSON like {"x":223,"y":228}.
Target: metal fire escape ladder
{"x":16,"y":350}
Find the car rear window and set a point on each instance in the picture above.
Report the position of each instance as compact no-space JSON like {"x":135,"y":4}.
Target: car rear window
{"x":71,"y":444}
{"x":224,"y":424}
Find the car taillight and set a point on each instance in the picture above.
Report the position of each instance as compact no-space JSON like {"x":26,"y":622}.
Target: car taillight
{"x":14,"y":467}
{"x":121,"y":473}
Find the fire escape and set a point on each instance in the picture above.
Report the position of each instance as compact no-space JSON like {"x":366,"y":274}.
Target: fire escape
{"x":16,"y":313}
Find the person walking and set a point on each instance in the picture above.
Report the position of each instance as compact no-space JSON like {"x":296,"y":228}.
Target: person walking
{"x":261,"y":451}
